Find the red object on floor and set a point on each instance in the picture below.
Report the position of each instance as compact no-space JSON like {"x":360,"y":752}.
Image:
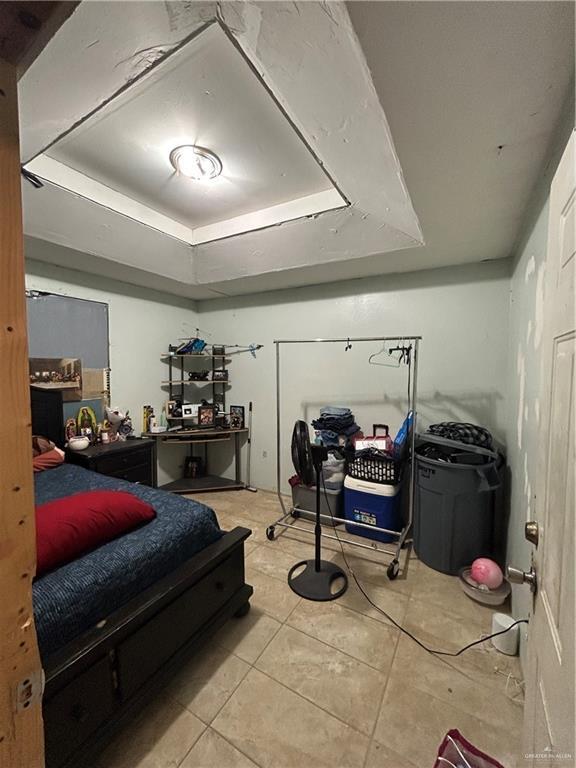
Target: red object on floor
{"x":454,"y":746}
{"x":70,"y":527}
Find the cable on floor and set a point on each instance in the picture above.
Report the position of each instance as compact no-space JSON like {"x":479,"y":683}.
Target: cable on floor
{"x":433,"y":651}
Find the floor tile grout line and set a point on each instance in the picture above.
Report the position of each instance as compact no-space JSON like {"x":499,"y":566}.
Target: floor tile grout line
{"x":414,"y":683}
{"x":388,"y":623}
{"x":208,"y":724}
{"x":332,"y":647}
{"x":385,"y":621}
{"x":277,"y":629}
{"x":286,"y":623}
{"x":271,"y":575}
{"x":336,"y":551}
{"x":298,"y":604}
{"x":477,"y":675}
{"x":488,"y":726}
{"x":384,"y":689}
{"x":400,"y":595}
{"x":302,"y":696}
{"x":251,"y":663}
{"x":465,"y":673}
{"x":313,"y":703}
{"x":178,"y":764}
{"x":230,"y":743}
{"x":284,"y":578}
{"x":451,"y":614}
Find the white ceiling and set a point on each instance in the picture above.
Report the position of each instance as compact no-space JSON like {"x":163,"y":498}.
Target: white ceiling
{"x":472,"y":111}
{"x":203,"y":94}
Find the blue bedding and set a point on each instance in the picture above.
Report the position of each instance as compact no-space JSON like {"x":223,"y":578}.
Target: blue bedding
{"x":73,"y":598}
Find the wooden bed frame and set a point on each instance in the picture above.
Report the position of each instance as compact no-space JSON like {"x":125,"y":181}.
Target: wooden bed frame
{"x":95,"y":682}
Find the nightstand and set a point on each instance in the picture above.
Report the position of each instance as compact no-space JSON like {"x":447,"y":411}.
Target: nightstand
{"x":133,"y":460}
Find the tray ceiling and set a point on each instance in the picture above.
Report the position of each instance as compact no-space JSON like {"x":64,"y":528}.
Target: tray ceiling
{"x":472,"y":111}
{"x":205,"y":93}
{"x":280,"y":91}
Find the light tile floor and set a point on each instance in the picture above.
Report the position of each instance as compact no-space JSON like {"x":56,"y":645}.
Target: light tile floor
{"x":296,"y":683}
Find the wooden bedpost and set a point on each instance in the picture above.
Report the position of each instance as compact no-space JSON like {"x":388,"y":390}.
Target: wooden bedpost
{"x":21,"y":731}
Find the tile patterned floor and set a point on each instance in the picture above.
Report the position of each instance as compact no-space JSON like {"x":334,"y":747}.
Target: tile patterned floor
{"x":296,"y":683}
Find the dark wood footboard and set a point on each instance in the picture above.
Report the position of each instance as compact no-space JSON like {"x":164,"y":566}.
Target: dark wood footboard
{"x":94,"y":682}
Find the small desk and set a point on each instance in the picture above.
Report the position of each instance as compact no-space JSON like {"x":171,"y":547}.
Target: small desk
{"x":207,"y":482}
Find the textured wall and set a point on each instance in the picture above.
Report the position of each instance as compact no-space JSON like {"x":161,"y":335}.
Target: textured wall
{"x":461,"y":312}
{"x":524,"y":434}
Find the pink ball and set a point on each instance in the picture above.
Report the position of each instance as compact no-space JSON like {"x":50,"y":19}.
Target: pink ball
{"x":487,"y":572}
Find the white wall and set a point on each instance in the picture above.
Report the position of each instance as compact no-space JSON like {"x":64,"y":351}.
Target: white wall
{"x":142,"y":324}
{"x":525,"y":346}
{"x":526,"y":295}
{"x":461,"y":312}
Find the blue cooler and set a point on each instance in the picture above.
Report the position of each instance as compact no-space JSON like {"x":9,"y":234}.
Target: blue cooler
{"x":372,"y":504}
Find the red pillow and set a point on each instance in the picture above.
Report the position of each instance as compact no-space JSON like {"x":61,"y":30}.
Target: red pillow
{"x":69,"y":527}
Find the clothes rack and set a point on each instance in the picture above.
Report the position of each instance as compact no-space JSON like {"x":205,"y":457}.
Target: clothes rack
{"x":402,"y":536}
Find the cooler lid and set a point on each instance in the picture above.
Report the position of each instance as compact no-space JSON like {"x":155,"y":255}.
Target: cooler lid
{"x":377,"y":489}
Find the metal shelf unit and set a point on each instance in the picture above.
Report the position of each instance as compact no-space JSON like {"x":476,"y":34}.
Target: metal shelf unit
{"x":177,"y":383}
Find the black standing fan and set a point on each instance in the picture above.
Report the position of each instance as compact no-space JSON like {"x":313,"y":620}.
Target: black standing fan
{"x":313,"y":579}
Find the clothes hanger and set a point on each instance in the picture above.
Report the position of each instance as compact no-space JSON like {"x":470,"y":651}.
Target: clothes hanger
{"x":405,"y":353}
{"x":393,"y":362}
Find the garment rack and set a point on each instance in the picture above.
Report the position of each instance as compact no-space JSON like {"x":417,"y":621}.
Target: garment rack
{"x":292,"y":512}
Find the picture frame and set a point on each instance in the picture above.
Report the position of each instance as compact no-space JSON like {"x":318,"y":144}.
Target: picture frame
{"x":206,"y":416}
{"x":188,"y":410}
{"x":62,"y":374}
{"x":237,"y":417}
{"x":169,"y":408}
{"x":220,"y":375}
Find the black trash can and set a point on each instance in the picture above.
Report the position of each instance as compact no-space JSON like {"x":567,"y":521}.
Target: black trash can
{"x":454,"y":503}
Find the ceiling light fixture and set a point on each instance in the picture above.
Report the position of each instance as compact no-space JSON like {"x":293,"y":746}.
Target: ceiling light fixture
{"x":197,"y":163}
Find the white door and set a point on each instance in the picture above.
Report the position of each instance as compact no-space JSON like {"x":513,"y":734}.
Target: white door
{"x":549,"y":714}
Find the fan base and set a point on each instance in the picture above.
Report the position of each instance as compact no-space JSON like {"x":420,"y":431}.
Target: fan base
{"x":317,"y":585}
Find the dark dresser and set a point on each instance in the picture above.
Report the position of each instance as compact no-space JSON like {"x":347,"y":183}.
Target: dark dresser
{"x":133,"y":460}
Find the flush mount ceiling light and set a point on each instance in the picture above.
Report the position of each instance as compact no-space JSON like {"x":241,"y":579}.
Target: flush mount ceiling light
{"x":197,"y":163}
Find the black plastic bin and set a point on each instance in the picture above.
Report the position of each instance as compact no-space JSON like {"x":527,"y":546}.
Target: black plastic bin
{"x":454,"y":506}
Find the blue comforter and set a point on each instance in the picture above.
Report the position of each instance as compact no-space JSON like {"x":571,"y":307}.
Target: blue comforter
{"x":73,"y":598}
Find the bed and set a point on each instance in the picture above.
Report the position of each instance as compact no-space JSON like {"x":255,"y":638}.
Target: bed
{"x":115,"y":623}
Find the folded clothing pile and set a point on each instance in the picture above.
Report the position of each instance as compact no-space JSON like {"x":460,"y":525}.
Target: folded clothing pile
{"x":335,"y":422}
{"x":471,"y":434}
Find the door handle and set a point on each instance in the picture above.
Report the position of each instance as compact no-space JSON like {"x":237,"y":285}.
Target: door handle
{"x":532,"y":532}
{"x":517,"y":576}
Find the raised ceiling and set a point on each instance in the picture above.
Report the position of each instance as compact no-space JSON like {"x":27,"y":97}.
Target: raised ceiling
{"x":205,"y":93}
{"x":472,"y":111}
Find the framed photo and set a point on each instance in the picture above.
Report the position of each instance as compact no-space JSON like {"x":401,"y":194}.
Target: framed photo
{"x":236,"y":417}
{"x":220,"y":375}
{"x":188,"y":410}
{"x":169,"y":408}
{"x":206,"y":416}
{"x":61,"y":373}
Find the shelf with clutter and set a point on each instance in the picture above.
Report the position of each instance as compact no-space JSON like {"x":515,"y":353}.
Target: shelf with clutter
{"x":192,"y":420}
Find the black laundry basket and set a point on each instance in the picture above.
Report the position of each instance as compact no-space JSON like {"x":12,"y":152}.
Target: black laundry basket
{"x":375,"y":467}
{"x":454,"y":507}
